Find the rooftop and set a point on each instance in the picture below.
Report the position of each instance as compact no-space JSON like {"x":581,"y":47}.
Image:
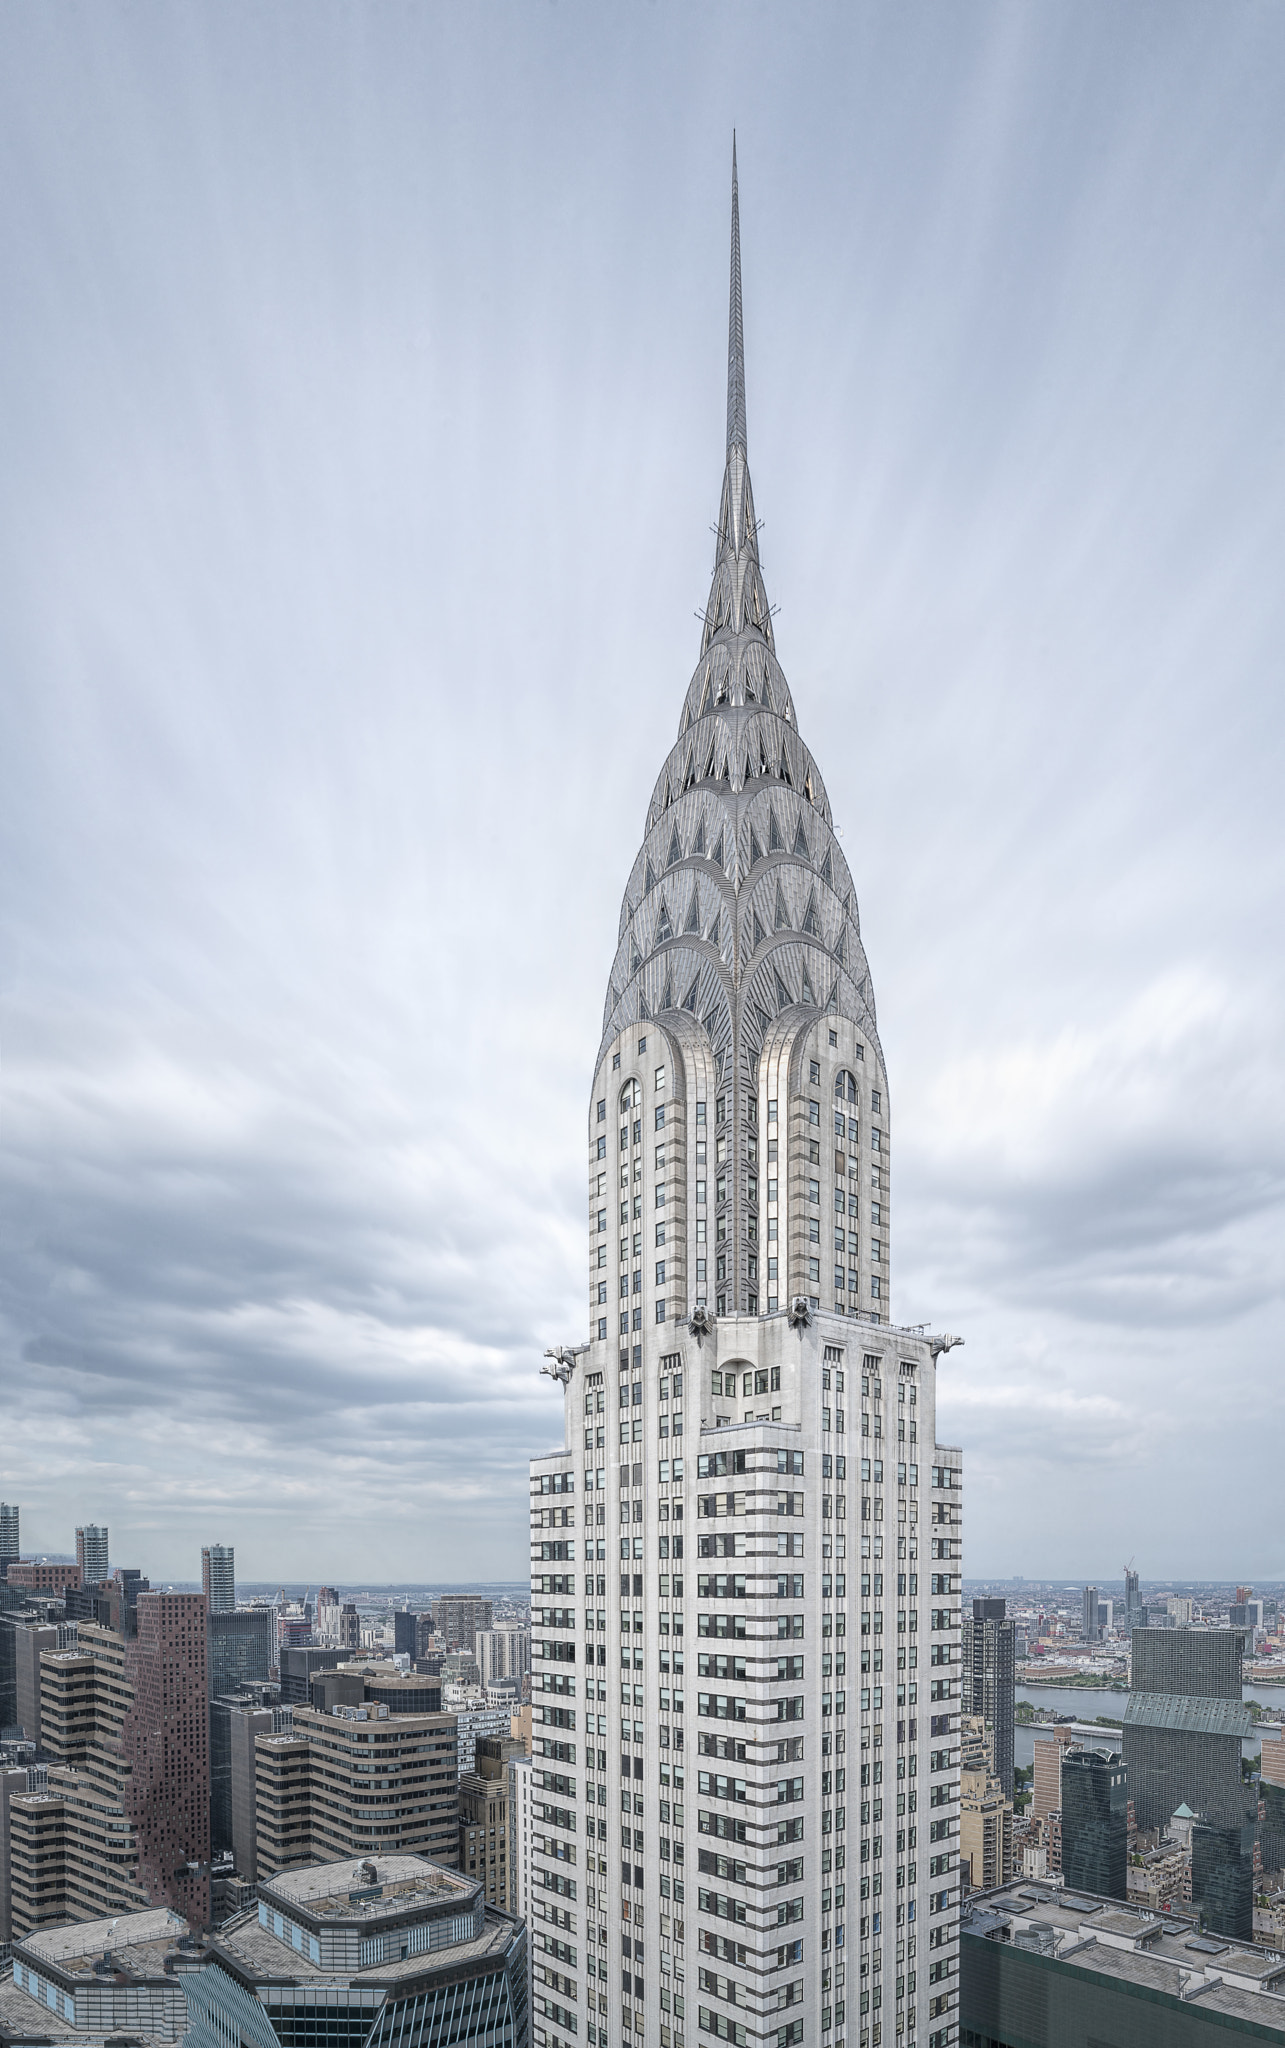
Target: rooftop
{"x":1161,"y":1953}
{"x":137,"y":1943}
{"x":255,"y":1952}
{"x":366,"y":1889}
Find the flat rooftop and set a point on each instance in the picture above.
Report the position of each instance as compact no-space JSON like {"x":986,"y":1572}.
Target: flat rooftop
{"x":1157,"y":1952}
{"x":139,"y":1941}
{"x":348,"y":1891}
{"x":259,"y":1955}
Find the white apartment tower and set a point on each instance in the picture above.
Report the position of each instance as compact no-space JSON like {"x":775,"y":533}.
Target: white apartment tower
{"x":218,"y":1577}
{"x":745,"y":1561}
{"x":91,"y":1554}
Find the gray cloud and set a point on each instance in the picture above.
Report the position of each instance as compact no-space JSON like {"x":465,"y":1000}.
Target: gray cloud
{"x":362,"y":397}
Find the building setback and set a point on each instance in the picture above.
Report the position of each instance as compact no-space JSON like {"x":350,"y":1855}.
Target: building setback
{"x":391,"y":1952}
{"x":745,"y":1559}
{"x":356,"y":1781}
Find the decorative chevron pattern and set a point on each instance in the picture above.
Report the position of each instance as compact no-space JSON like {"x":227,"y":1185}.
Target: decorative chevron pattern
{"x":740,"y":901}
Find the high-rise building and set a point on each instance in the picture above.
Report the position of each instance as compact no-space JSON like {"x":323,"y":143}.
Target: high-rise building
{"x":218,"y":1577}
{"x":125,"y":1821}
{"x":91,"y":1554}
{"x":1132,"y":1599}
{"x":1095,"y":1822}
{"x":405,"y":1633}
{"x":1222,"y":1879}
{"x":459,"y":1617}
{"x":744,"y":1392}
{"x":1089,"y":1628}
{"x":484,"y":1821}
{"x":242,"y":1647}
{"x":990,"y":1677}
{"x":314,"y":1787}
{"x":1184,"y":1722}
{"x":985,"y":1813}
{"x":1046,"y":1780}
{"x":502,"y":1653}
{"x":10,"y":1540}
{"x":389,"y":1949}
{"x":299,"y":1665}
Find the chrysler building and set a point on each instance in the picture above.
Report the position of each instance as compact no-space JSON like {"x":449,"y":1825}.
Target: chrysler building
{"x":744,"y":1786}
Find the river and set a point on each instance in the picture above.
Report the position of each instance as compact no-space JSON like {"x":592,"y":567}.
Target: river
{"x":1085,"y":1705}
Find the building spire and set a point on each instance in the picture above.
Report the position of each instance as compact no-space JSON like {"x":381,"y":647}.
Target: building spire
{"x":735,"y":331}
{"x":737,"y":600}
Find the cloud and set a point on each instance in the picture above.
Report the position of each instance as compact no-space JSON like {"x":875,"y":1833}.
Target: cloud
{"x":362,"y":414}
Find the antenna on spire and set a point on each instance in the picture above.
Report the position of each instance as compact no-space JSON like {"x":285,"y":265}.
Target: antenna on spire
{"x":735,"y":330}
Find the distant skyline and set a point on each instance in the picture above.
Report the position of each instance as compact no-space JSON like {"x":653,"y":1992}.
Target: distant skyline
{"x":361,"y":382}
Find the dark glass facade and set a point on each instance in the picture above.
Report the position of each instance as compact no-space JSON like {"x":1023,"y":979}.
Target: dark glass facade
{"x":1018,"y":1997}
{"x":1222,"y":1879}
{"x":1095,"y":1823}
{"x":1192,"y":1663}
{"x":242,"y":1648}
{"x":298,"y":1667}
{"x":1183,"y":1726}
{"x":989,"y":1673}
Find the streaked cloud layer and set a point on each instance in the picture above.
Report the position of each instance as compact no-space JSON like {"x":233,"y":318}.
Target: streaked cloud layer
{"x":361,"y":374}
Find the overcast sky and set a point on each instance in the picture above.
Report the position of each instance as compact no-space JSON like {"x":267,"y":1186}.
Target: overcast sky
{"x":361,"y":375}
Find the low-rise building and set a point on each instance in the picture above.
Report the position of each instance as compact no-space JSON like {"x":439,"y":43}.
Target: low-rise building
{"x":393,"y":1951}
{"x":99,"y":1978}
{"x":1039,"y":1968}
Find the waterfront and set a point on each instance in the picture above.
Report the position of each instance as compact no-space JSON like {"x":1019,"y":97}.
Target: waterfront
{"x":1080,"y":1703}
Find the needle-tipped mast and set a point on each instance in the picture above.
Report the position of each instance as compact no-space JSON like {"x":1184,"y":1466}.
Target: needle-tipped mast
{"x":737,"y":599}
{"x":735,"y":332}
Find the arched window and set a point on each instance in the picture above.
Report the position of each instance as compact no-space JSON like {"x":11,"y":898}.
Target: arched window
{"x":845,"y":1086}
{"x":629,"y":1096}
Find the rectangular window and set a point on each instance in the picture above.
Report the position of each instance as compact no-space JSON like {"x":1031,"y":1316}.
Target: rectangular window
{"x":602,"y":1148}
{"x":771,"y":1111}
{"x":814,"y":1113}
{"x":876,"y":1101}
{"x":660,"y":1311}
{"x":602,"y":1112}
{"x":660,"y":1272}
{"x":660,"y":1116}
{"x":660,"y":1077}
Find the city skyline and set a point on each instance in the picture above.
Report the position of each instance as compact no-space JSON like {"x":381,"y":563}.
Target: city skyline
{"x":320,"y":774}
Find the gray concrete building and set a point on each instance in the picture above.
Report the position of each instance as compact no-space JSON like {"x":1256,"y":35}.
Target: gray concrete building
{"x":10,"y":1535}
{"x":745,"y":1554}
